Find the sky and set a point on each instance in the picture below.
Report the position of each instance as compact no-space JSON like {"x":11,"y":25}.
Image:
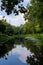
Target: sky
{"x":12,"y":19}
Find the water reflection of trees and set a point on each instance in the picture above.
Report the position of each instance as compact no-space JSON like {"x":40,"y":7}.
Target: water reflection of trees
{"x":8,"y":46}
{"x":37,"y":57}
{"x":5,"y":48}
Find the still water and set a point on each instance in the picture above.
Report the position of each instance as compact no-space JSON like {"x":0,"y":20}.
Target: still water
{"x":21,"y":52}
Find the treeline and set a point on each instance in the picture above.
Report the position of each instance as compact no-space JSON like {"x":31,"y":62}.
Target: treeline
{"x":6,"y":28}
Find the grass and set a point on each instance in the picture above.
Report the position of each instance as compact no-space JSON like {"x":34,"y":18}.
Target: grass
{"x":35,"y":36}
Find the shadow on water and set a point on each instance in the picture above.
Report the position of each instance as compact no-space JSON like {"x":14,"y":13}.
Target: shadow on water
{"x":37,"y":49}
{"x":21,"y":47}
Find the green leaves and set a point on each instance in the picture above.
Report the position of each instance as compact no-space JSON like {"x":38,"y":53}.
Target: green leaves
{"x":34,"y":13}
{"x":10,"y":6}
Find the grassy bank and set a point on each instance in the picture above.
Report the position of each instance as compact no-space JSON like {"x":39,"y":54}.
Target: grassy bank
{"x":35,"y":36}
{"x":4,"y":38}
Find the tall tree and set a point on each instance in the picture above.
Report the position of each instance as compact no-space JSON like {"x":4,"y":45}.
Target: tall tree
{"x":34,"y":13}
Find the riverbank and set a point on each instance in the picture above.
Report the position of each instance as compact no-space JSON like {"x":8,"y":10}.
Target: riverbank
{"x":4,"y":38}
{"x":35,"y":37}
{"x":32,"y":37}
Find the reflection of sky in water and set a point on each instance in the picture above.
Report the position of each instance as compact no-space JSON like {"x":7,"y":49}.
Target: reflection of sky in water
{"x":22,"y":52}
{"x":16,"y":57}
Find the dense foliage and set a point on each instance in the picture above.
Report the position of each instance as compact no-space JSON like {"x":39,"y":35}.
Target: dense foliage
{"x":10,"y":6}
{"x":34,"y":15}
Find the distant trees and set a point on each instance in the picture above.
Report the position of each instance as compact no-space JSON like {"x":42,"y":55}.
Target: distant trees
{"x":27,"y":28}
{"x":8,"y":29}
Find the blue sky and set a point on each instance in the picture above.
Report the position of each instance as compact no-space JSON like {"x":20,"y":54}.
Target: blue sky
{"x":12,"y":19}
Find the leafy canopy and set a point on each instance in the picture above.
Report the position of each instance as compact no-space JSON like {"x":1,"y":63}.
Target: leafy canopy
{"x":10,"y":6}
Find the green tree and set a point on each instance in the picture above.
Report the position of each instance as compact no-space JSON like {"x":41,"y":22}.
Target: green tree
{"x":2,"y":26}
{"x":34,"y":14}
{"x":9,"y":30}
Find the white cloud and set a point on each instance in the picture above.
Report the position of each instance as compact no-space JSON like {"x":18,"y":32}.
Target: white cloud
{"x":14,"y":20}
{"x":22,"y":52}
{"x":0,"y":17}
